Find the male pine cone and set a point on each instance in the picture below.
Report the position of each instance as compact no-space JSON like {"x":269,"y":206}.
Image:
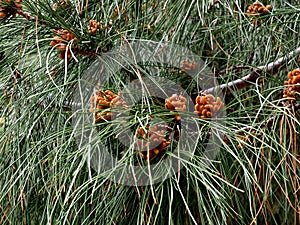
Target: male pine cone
{"x":292,"y":85}
{"x":102,"y":103}
{"x":8,"y":7}
{"x":208,"y":106}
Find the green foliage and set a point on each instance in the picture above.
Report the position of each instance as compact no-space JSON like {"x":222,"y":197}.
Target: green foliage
{"x":45,"y":178}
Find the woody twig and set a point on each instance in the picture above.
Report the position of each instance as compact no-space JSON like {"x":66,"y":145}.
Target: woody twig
{"x":250,"y":79}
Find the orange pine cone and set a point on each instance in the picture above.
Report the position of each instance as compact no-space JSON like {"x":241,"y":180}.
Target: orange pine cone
{"x":292,"y":85}
{"x":207,"y":105}
{"x":151,"y":142}
{"x":10,"y":8}
{"x":60,"y":41}
{"x":94,"y":26}
{"x":176,"y":102}
{"x":3,"y":13}
{"x":256,"y":9}
{"x":188,"y":67}
{"x":102,"y":103}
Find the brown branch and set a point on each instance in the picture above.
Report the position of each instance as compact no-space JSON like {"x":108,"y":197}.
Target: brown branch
{"x":250,"y":79}
{"x":82,"y":52}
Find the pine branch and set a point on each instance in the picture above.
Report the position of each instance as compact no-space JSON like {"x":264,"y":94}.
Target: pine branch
{"x":250,"y":79}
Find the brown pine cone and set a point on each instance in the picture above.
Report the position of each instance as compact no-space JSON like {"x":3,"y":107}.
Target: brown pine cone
{"x":3,"y":13}
{"x":151,"y":142}
{"x":61,"y":42}
{"x":102,"y":103}
{"x":10,"y":8}
{"x":61,"y":3}
{"x":292,"y":89}
{"x":188,"y":67}
{"x":17,"y":3}
{"x":257,"y":9}
{"x":94,"y":26}
{"x":207,"y":105}
{"x":176,"y":102}
{"x":62,"y":54}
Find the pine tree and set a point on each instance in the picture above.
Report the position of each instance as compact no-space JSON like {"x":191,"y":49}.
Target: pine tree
{"x":251,"y":50}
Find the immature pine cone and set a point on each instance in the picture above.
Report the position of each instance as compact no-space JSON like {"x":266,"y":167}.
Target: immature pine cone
{"x":151,"y":142}
{"x":257,"y":9}
{"x":94,"y":25}
{"x":176,"y":102}
{"x":3,"y":13}
{"x":292,"y":89}
{"x":207,"y":105}
{"x":61,"y":41}
{"x":188,"y":67}
{"x":117,"y":11}
{"x":102,"y":103}
{"x":61,"y":3}
{"x":9,"y":8}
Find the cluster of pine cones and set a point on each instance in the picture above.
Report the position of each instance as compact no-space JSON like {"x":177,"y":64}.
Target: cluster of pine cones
{"x":61,"y":41}
{"x":206,"y":106}
{"x":292,"y":88}
{"x":9,"y":7}
{"x":257,"y":8}
{"x":153,"y":140}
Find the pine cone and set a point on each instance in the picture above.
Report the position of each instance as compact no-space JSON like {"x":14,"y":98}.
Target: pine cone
{"x":61,"y":3}
{"x":176,"y":102}
{"x":62,"y":53}
{"x":10,"y":8}
{"x":102,"y":103}
{"x":117,"y":11}
{"x":207,"y":106}
{"x":188,"y":67}
{"x":257,"y":9}
{"x":292,"y":90}
{"x":151,"y":142}
{"x":61,"y":41}
{"x":94,"y":25}
{"x":3,"y":13}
